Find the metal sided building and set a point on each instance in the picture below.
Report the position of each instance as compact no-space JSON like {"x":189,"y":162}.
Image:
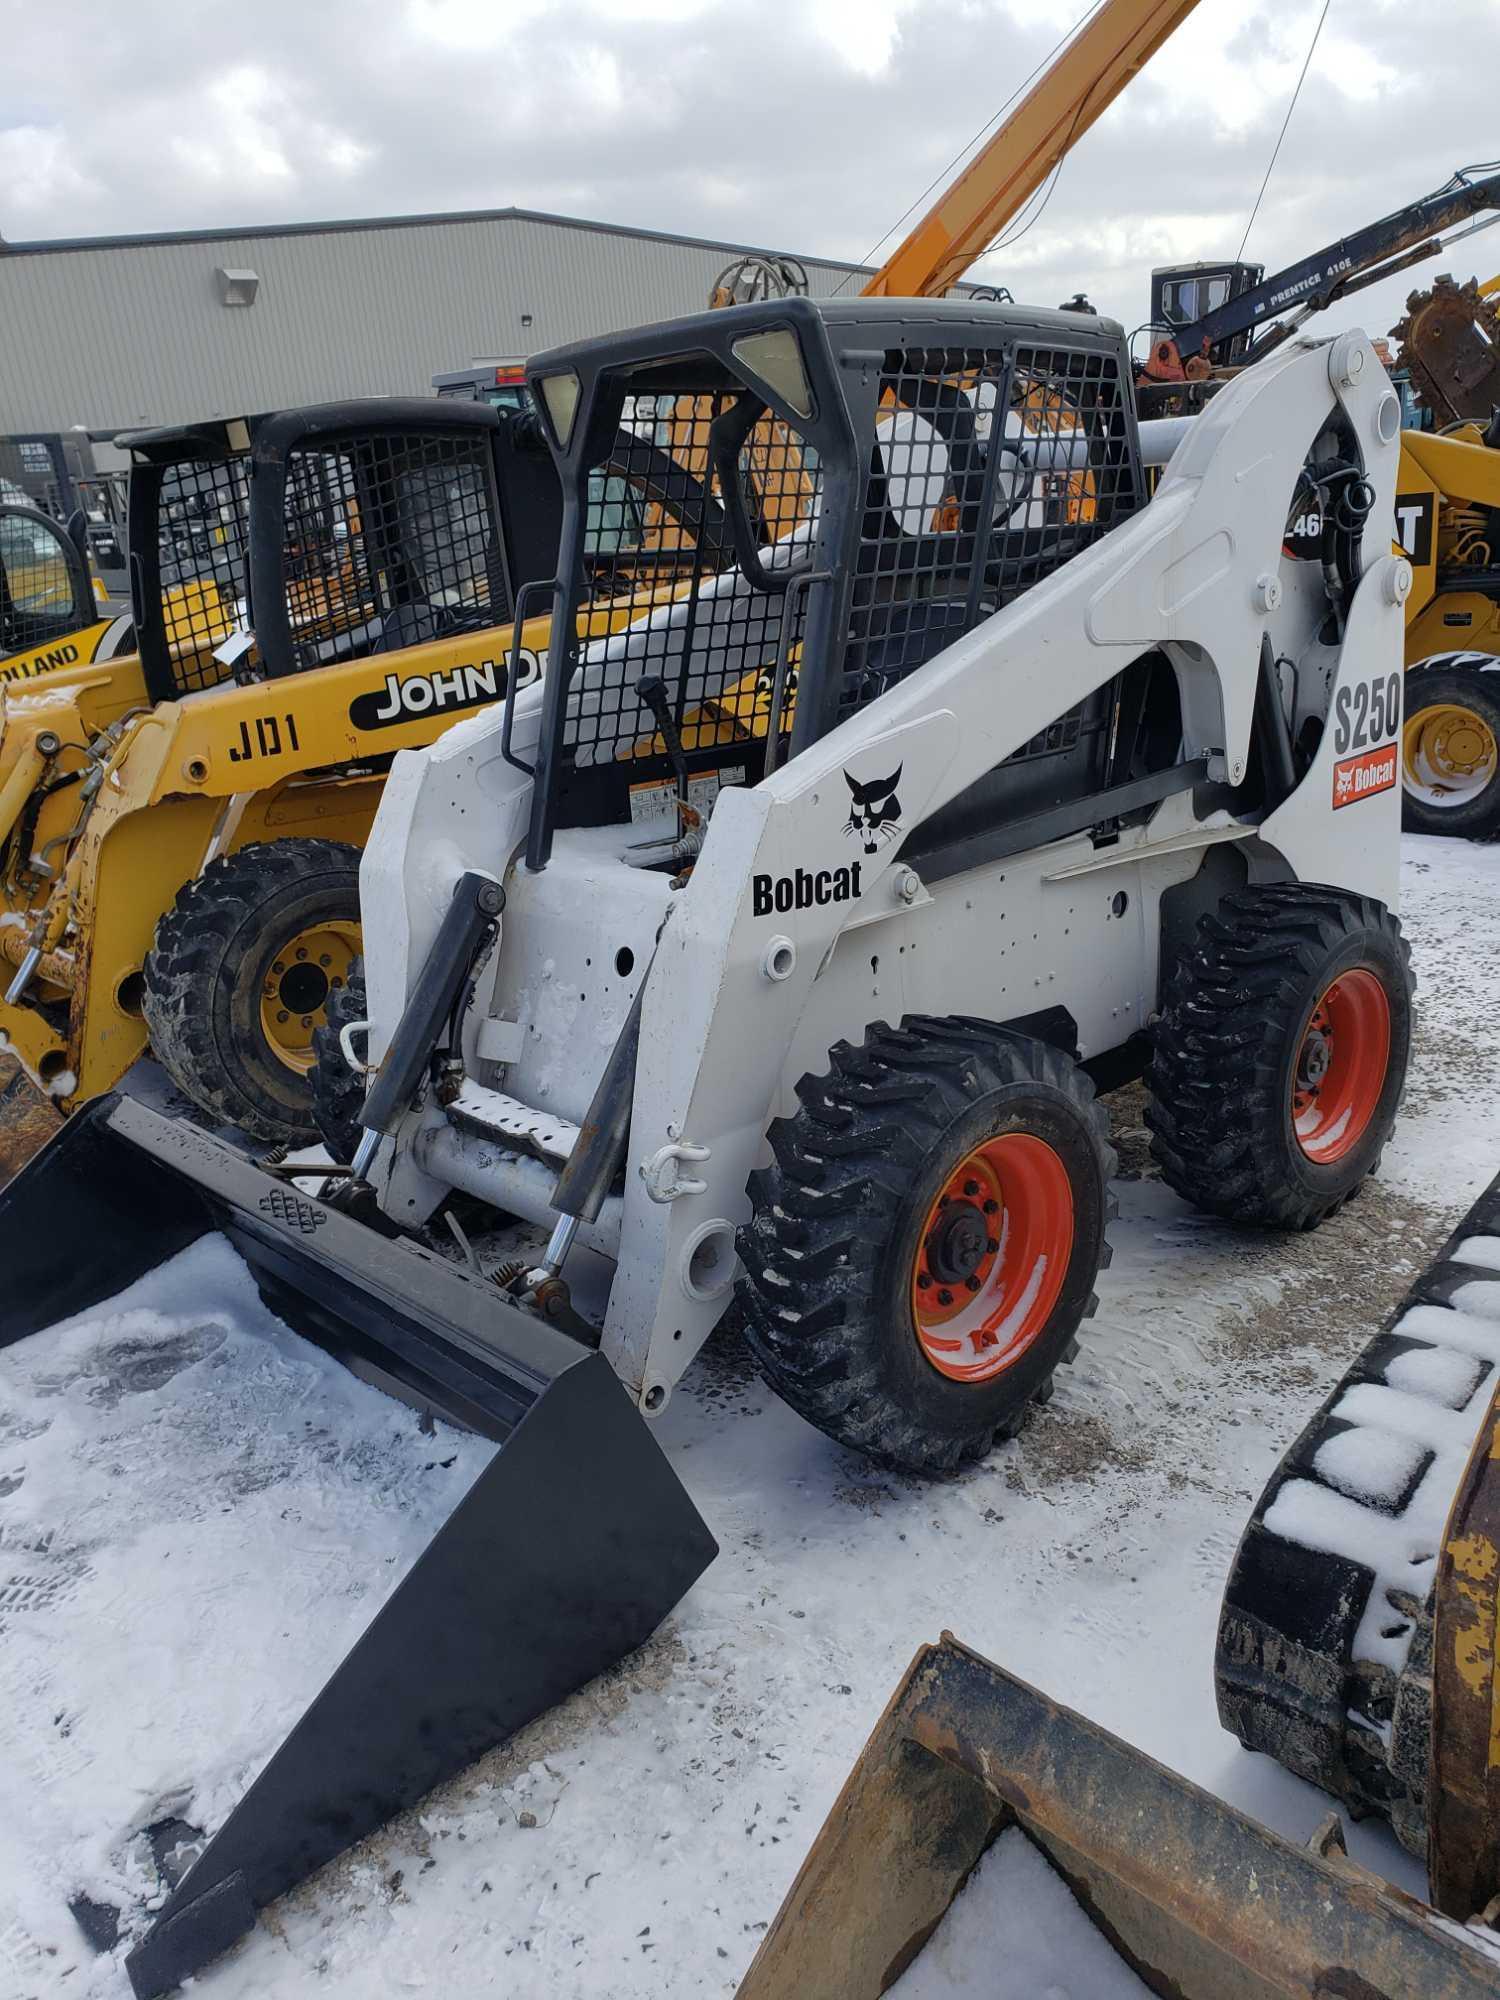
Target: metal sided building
{"x":116,"y":332}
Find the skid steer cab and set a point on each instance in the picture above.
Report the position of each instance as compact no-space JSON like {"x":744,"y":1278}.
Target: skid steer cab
{"x":51,"y":619}
{"x":180,"y":829}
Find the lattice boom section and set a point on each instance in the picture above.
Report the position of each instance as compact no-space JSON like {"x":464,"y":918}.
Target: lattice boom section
{"x":203,"y":529}
{"x":391,"y":540}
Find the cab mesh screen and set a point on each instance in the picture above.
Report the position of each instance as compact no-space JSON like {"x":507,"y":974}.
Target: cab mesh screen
{"x":990,"y":469}
{"x":390,"y":541}
{"x":203,"y":527}
{"x":657,"y":533}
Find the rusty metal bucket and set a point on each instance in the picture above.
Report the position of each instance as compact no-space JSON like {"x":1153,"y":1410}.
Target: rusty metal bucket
{"x":28,"y":1117}
{"x":1199,"y":1901}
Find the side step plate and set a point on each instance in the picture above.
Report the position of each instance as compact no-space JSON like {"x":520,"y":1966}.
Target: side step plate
{"x":566,"y":1554}
{"x":1326,"y":1634}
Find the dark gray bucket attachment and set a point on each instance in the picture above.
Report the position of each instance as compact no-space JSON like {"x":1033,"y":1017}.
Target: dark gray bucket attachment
{"x":512,"y":1606}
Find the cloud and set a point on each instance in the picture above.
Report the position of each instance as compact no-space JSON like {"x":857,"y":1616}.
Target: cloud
{"x":806,"y":125}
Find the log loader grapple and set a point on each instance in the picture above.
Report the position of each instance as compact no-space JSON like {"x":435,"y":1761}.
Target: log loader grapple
{"x":768,"y":953}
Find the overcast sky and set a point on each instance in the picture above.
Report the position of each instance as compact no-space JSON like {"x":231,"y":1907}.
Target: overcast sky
{"x":805,"y":125}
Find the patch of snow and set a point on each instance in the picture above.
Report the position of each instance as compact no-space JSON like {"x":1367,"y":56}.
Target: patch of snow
{"x":1369,"y":1464}
{"x":1390,"y":1419}
{"x":1438,"y":1374}
{"x":1473,"y":1933}
{"x":1015,"y":1931}
{"x":201,"y":1513}
{"x":1480,"y":1297}
{"x":1482,"y":1250}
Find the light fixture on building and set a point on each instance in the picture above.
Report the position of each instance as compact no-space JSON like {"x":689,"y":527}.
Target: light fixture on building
{"x":526,"y":319}
{"x":237,"y":288}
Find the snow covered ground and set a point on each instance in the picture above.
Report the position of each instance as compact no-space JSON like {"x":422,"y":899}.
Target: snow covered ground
{"x":157,"y":1635}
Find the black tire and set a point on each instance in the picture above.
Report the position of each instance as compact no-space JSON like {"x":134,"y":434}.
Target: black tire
{"x":830,"y":1254}
{"x":214,"y":956}
{"x":1236,"y":1024}
{"x":338,"y":1092}
{"x":1448,"y":684}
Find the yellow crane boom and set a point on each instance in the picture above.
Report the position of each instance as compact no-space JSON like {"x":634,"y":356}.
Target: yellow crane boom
{"x":1089,"y":73}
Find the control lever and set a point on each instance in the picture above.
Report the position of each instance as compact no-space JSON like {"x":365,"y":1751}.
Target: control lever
{"x":654,"y":693}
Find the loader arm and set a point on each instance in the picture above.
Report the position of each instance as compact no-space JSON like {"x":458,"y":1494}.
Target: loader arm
{"x":1082,"y":82}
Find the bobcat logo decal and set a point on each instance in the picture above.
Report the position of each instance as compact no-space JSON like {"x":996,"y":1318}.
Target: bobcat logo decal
{"x":875,"y":814}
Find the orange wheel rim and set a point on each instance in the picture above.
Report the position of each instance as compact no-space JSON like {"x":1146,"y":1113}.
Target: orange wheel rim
{"x":992,"y":1257}
{"x":1341,"y":1067}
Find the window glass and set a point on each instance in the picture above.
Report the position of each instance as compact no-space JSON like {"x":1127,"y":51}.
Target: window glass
{"x":614,"y":516}
{"x":38,"y":602}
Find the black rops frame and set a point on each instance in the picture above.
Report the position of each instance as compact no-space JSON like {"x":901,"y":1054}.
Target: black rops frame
{"x":153,"y":454}
{"x":845,"y":346}
{"x":693,"y":355}
{"x":357,"y":424}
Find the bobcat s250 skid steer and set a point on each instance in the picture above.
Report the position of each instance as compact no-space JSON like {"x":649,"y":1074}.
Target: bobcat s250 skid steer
{"x":771,"y":948}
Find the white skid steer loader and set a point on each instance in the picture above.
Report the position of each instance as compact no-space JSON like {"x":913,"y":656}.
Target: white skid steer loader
{"x":917,"y":714}
{"x":983,"y":745}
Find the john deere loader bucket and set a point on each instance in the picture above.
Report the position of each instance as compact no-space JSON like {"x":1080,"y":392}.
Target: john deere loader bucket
{"x":1192,"y":1898}
{"x":566,"y":1553}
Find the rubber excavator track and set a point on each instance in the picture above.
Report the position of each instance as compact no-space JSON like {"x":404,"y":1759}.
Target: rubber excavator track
{"x":1356,"y":1638}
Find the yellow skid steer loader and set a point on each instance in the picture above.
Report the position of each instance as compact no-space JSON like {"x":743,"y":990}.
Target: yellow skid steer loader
{"x":51,"y":615}
{"x":180,"y":829}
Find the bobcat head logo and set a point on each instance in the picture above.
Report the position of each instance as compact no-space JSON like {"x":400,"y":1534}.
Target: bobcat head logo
{"x":875,"y":814}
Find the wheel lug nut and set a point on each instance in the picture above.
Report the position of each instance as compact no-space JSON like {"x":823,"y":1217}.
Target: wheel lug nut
{"x":972,"y":1283}
{"x":279,"y":966}
{"x":945,"y":1297}
{"x":971,"y":1188}
{"x":924,"y":1283}
{"x":325,"y":958}
{"x":307,"y":1020}
{"x":301,"y":951}
{"x":282,"y":1014}
{"x":993,"y":1245}
{"x":991,"y":1207}
{"x":943,"y":1201}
